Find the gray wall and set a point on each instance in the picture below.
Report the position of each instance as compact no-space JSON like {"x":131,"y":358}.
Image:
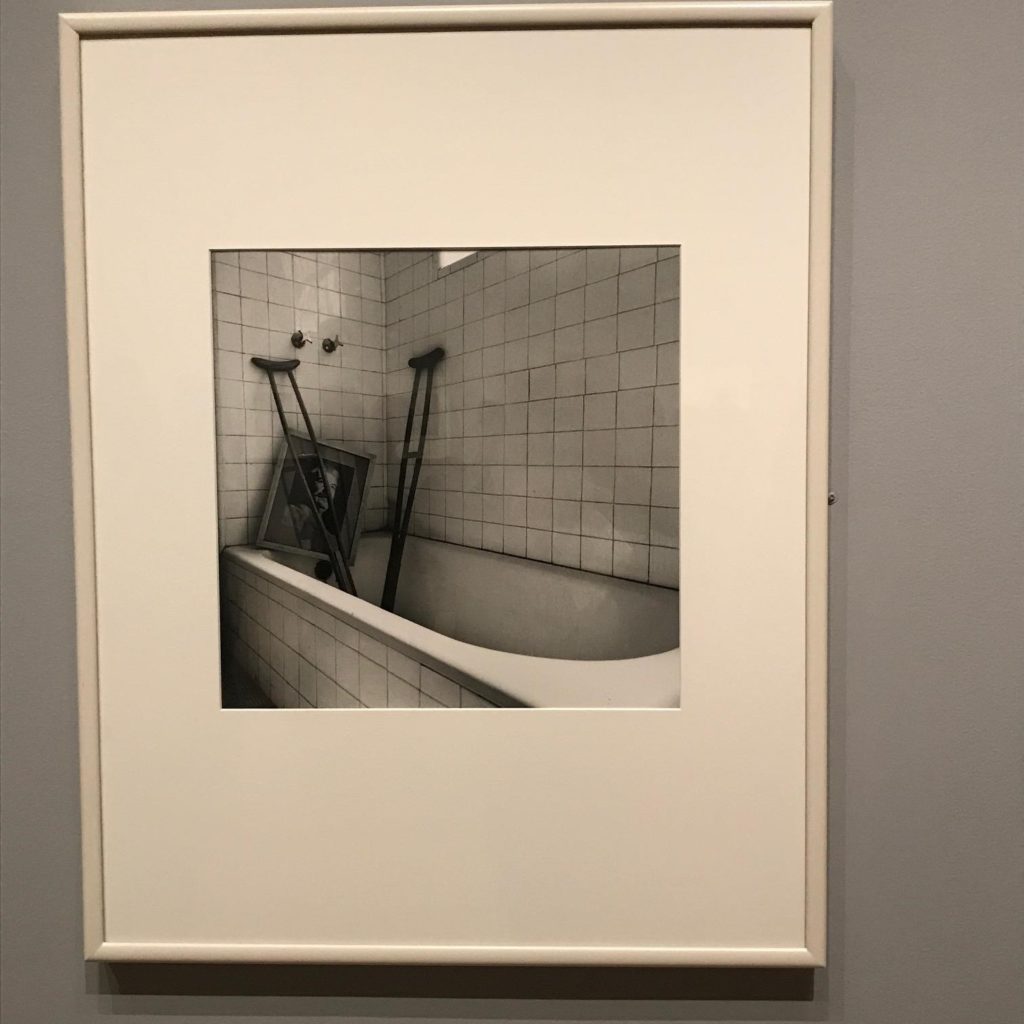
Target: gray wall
{"x":927,"y":825}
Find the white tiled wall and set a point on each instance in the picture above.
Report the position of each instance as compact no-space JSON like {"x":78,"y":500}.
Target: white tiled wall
{"x":302,"y":657}
{"x":260,"y":298}
{"x":554,"y":430}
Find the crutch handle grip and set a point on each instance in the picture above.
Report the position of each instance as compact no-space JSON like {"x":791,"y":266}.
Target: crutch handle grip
{"x":427,"y":360}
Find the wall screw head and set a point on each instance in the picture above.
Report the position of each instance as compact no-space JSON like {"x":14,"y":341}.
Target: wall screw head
{"x":832,"y":499}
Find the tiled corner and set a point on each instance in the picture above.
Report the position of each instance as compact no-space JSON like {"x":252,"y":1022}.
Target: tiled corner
{"x":259,"y":299}
{"x":560,"y":385}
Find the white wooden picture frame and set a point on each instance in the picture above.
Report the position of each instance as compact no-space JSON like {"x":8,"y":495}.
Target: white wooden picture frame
{"x":685,"y":836}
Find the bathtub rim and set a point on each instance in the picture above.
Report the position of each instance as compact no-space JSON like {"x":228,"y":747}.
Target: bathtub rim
{"x":512,"y":680}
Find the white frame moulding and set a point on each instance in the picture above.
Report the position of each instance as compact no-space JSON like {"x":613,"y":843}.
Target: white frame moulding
{"x":815,"y":15}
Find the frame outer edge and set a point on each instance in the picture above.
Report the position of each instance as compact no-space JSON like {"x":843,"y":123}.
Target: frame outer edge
{"x":432,"y":17}
{"x":817,"y":15}
{"x":81,"y":480}
{"x":819,"y":303}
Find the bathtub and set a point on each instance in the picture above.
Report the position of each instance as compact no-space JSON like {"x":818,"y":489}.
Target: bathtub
{"x":472,"y":628}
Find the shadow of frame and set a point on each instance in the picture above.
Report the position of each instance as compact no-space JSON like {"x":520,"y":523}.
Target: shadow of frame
{"x":787,"y":985}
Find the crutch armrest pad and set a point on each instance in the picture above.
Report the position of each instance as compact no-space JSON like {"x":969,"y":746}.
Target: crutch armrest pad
{"x":427,"y":360}
{"x":275,"y":365}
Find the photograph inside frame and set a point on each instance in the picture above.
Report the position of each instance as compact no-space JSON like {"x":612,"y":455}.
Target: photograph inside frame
{"x":448,"y":478}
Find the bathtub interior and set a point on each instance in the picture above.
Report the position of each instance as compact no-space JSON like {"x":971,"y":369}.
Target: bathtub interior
{"x":515,"y":604}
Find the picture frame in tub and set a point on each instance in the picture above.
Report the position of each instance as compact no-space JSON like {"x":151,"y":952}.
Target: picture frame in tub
{"x":644,"y":128}
{"x":348,"y":474}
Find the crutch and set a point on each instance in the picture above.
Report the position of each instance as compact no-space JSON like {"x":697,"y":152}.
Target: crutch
{"x":403,"y":504}
{"x":332,"y":541}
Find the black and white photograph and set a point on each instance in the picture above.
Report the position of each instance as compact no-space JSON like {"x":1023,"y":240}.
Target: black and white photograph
{"x":448,"y":478}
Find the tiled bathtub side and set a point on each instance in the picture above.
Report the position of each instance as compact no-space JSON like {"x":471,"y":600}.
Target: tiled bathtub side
{"x":300,"y":656}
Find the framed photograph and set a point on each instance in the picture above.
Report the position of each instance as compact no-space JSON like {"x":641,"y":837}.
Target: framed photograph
{"x":489,"y":348}
{"x":523,"y":408}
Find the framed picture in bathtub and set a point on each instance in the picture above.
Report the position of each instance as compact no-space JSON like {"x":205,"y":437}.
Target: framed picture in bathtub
{"x":288,"y":523}
{"x":544,"y":342}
